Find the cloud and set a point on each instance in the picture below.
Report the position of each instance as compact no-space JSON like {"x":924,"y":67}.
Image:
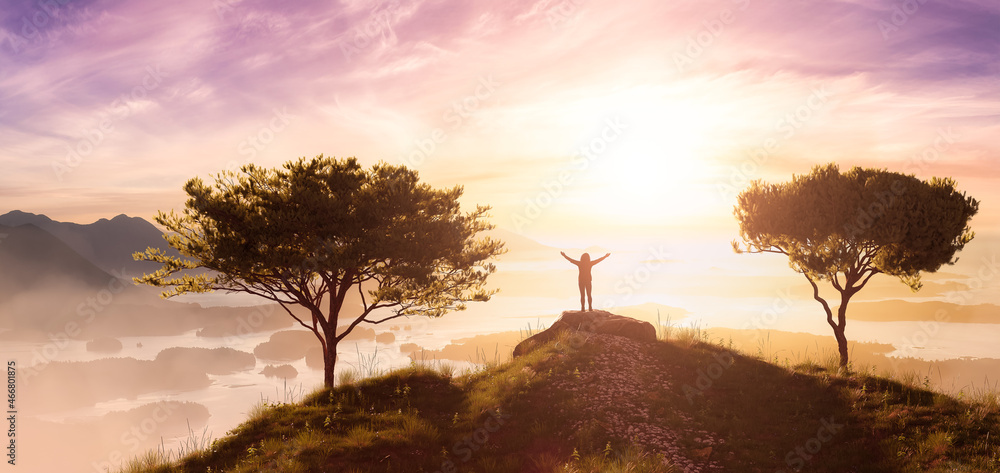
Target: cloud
{"x":372,"y":79}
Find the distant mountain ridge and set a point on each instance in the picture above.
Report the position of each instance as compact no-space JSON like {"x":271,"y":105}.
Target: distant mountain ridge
{"x":49,"y":289}
{"x":31,"y":257}
{"x":108,"y":244}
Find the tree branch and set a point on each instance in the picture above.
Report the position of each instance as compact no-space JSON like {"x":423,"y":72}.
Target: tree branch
{"x":354,"y":324}
{"x":269,"y":294}
{"x":826,"y":307}
{"x":865,"y":280}
{"x":361,"y":292}
{"x":373,"y":322}
{"x":312,"y":329}
{"x":299,"y":294}
{"x":835,"y":280}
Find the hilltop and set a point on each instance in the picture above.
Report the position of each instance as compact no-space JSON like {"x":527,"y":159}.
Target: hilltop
{"x":596,"y":402}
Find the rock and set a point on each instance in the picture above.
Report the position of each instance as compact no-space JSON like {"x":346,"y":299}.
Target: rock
{"x":283,"y":371}
{"x":314,"y":358}
{"x":209,"y":360}
{"x":361,"y":333}
{"x":593,"y":321}
{"x":408,"y":348}
{"x":629,"y":328}
{"x":385,"y":337}
{"x":286,"y":345}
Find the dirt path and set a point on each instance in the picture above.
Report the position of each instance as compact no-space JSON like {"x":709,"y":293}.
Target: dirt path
{"x":618,"y":389}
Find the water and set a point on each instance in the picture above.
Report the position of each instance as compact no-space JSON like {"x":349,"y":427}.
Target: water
{"x":726,"y":291}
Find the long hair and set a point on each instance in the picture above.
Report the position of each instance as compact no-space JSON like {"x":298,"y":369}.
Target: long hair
{"x":585,"y":257}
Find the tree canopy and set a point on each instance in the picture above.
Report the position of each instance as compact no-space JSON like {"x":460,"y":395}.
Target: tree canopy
{"x":308,"y":233}
{"x":844,"y":228}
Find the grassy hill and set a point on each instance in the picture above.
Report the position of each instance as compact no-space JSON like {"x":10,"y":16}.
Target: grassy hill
{"x":600,"y":403}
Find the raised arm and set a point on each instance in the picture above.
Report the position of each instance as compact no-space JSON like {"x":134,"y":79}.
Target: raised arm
{"x":598,"y":260}
{"x":571,"y":260}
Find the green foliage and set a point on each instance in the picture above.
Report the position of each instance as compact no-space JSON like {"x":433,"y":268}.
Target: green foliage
{"x":860,"y":223}
{"x":327,"y":221}
{"x":309,"y":232}
{"x":845,"y":228}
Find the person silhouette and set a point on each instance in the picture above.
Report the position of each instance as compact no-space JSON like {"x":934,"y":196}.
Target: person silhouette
{"x":585,"y":277}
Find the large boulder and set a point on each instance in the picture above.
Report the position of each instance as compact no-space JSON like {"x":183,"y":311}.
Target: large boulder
{"x":594,"y":321}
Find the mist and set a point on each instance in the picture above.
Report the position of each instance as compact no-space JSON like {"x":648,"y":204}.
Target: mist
{"x":108,"y":371}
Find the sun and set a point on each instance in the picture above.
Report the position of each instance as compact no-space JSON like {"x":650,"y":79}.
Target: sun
{"x":658,"y":166}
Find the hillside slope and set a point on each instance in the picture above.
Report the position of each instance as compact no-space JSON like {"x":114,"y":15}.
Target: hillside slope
{"x":606,"y":403}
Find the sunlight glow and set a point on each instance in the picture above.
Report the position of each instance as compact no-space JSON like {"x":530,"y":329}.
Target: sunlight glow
{"x":657,"y":167}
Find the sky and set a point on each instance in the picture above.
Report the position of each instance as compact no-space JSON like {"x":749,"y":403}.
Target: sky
{"x":573,"y":119}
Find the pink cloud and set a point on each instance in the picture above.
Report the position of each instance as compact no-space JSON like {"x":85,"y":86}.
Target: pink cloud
{"x":372,"y":79}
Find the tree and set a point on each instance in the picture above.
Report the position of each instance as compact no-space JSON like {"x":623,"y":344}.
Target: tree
{"x":311,"y":232}
{"x":846,"y":228}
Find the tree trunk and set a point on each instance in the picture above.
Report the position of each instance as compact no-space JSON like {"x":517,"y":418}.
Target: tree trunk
{"x":839,"y":324}
{"x":838,"y":330}
{"x":330,"y":361}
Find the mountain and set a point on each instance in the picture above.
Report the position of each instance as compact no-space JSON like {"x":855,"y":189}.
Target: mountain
{"x":31,"y":258}
{"x":926,"y":311}
{"x":48,"y":289}
{"x":520,"y":247}
{"x":515,"y":242}
{"x":108,"y":244}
